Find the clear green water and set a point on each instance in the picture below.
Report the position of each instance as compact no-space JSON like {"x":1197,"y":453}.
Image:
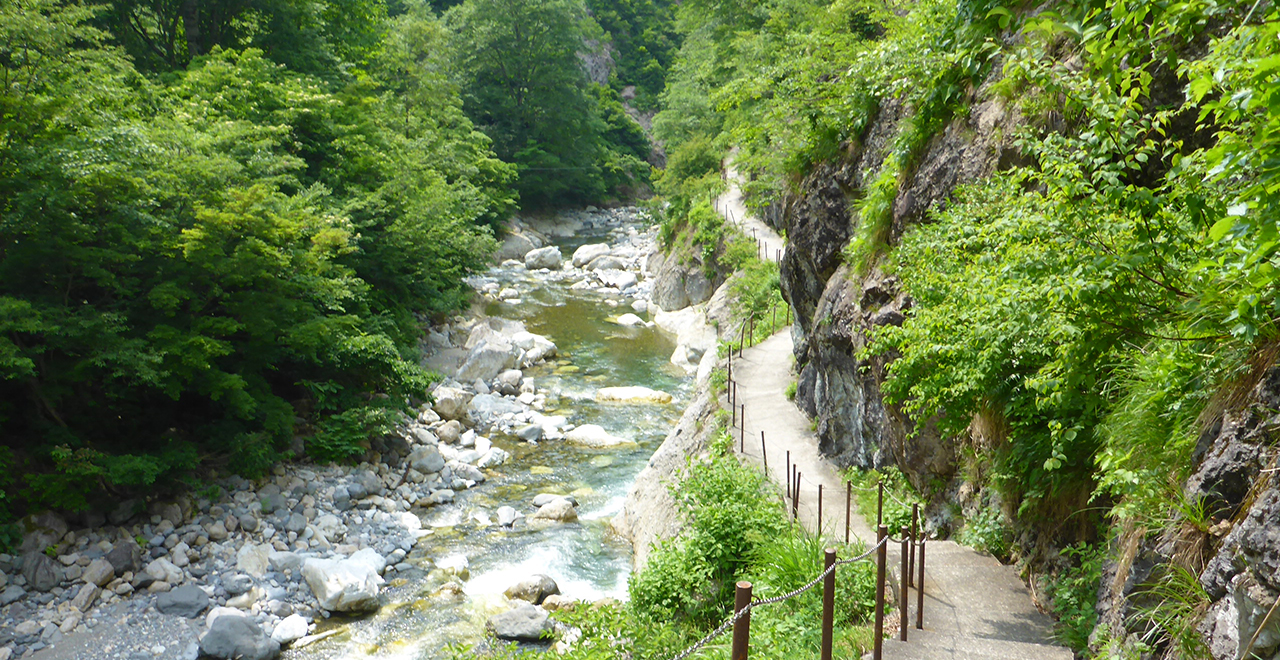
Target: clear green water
{"x":584,"y":558}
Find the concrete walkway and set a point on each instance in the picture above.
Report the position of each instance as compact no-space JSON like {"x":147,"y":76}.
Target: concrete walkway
{"x":730,"y":206}
{"x":975,"y":608}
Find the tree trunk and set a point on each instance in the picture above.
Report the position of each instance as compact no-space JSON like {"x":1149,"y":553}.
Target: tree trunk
{"x":191,"y":26}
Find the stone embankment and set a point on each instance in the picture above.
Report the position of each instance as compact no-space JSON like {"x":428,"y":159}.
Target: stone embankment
{"x":246,"y":568}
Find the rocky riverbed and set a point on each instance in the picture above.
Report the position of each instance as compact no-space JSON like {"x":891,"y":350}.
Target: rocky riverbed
{"x":297,"y":560}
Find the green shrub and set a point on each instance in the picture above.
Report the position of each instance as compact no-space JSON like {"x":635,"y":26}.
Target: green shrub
{"x":1075,"y":594}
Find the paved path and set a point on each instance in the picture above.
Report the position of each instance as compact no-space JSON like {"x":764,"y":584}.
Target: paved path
{"x":975,"y":608}
{"x":730,"y":206}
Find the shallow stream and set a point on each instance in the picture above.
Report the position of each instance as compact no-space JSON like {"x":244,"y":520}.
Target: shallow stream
{"x":463,"y":545}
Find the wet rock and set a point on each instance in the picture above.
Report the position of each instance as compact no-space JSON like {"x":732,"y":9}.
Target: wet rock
{"x":527,"y":623}
{"x":536,"y":347}
{"x":346,"y":585}
{"x":530,"y":432}
{"x":618,"y":279}
{"x":632,"y":394}
{"x":41,"y":572}
{"x":535,"y":589}
{"x":239,"y":638}
{"x":547,"y":257}
{"x":630,"y":320}
{"x":555,"y":603}
{"x":507,"y":516}
{"x":558,"y":510}
{"x":588,"y":253}
{"x":187,"y":601}
{"x":494,"y":457}
{"x":591,"y":435}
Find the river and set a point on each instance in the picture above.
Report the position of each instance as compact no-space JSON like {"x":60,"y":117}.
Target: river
{"x":588,"y":563}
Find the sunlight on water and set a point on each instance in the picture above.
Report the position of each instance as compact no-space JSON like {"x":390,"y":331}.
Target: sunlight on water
{"x":465,"y":546}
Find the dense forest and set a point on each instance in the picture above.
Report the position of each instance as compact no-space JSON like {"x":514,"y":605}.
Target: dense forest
{"x":224,"y":223}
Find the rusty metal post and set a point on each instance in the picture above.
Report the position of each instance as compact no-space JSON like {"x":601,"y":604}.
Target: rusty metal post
{"x":904,"y":619}
{"x":742,"y":433}
{"x":880,"y":503}
{"x":741,"y":627}
{"x":742,"y":417}
{"x":915,"y":522}
{"x":730,"y":378}
{"x":819,"y":530}
{"x":788,"y":473}
{"x":795,"y":501}
{"x":920,"y":591}
{"x":848,"y":509}
{"x":828,"y":603}
{"x":733,"y":410}
{"x":881,"y":557}
{"x":764,"y":456}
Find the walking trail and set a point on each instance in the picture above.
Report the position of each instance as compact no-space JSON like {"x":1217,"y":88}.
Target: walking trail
{"x":974,"y":607}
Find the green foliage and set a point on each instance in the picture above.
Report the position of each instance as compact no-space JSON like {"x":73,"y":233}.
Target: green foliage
{"x":644,"y":39}
{"x":1177,"y":603}
{"x":987,"y":531}
{"x":790,"y":392}
{"x":571,"y":140}
{"x":183,"y":254}
{"x":1074,"y":594}
{"x":729,"y":513}
{"x":898,"y":496}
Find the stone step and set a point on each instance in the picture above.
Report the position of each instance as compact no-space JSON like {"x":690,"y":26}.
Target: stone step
{"x":929,"y":645}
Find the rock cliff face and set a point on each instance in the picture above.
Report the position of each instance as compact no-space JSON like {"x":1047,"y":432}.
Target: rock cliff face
{"x":836,"y":309}
{"x":1234,"y":554}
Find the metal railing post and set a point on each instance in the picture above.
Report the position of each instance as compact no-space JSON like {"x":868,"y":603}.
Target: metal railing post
{"x":848,"y":509}
{"x":788,"y":473}
{"x":795,"y":501}
{"x":920,"y":591}
{"x":880,"y":502}
{"x":911,"y":565}
{"x":828,"y":603}
{"x":819,"y":530}
{"x":764,"y":456}
{"x":741,"y":627}
{"x":881,"y":557}
{"x":904,"y":619}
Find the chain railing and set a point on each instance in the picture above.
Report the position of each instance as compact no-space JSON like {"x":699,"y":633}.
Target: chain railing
{"x":911,"y":543}
{"x":743,"y":611}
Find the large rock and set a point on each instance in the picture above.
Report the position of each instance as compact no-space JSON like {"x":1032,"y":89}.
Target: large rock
{"x":163,"y":570}
{"x":291,"y":629}
{"x":486,"y":361}
{"x":547,"y":257}
{"x":125,"y":556}
{"x":591,"y":435}
{"x":632,"y":394}
{"x":233,"y":637}
{"x":618,"y":279}
{"x":527,"y":623}
{"x":535,"y":589}
{"x":346,"y":585}
{"x":588,"y":253}
{"x":557,"y":510}
{"x":41,"y":531}
{"x":186,"y":601}
{"x":692,"y":333}
{"x":99,"y":572}
{"x":450,"y":402}
{"x":254,"y":559}
{"x":41,"y":572}
{"x":536,"y":347}
{"x":679,"y":282}
{"x":514,"y":246}
{"x":426,"y":459}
